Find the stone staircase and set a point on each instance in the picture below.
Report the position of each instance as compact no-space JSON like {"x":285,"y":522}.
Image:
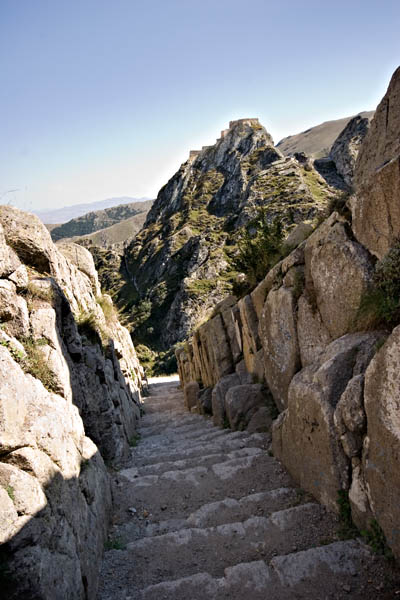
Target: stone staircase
{"x":207,"y":514}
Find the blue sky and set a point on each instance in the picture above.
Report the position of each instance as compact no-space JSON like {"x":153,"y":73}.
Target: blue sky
{"x":106,"y":98}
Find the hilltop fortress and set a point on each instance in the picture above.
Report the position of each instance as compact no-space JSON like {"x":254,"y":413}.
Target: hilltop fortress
{"x":252,"y":122}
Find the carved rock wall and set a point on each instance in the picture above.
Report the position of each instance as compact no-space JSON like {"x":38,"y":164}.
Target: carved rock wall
{"x":70,"y":387}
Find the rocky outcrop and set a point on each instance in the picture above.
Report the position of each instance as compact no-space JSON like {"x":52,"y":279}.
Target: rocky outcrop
{"x":376,"y":214}
{"x":346,"y":147}
{"x":70,"y":388}
{"x":307,"y":427}
{"x":179,"y":267}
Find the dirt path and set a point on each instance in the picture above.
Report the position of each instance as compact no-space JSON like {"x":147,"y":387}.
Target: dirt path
{"x":203,"y":513}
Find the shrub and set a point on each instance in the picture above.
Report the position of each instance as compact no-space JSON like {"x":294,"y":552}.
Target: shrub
{"x":108,"y":308}
{"x":347,"y":528}
{"x":35,"y":364}
{"x":380,"y":304}
{"x":35,"y":290}
{"x":90,"y":329}
{"x":375,"y":538}
{"x":260,"y":247}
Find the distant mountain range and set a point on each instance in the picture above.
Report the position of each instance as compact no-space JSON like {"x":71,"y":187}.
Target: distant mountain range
{"x":104,"y":227}
{"x":62,"y":215}
{"x":317,"y":141}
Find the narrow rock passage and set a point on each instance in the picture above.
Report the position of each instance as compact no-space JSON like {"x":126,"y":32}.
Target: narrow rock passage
{"x":203,"y":513}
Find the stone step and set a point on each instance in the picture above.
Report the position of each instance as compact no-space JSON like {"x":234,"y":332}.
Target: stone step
{"x":183,"y":491}
{"x":228,"y":510}
{"x":182,"y":438}
{"x":149,"y":427}
{"x":338,"y":570}
{"x":220,"y":441}
{"x":222,"y":445}
{"x":213,"y":549}
{"x":205,"y":460}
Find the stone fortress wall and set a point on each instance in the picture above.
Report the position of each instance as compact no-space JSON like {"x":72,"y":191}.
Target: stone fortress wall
{"x":252,"y":122}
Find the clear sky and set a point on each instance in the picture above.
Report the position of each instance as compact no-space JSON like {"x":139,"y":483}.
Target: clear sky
{"x":102,"y":98}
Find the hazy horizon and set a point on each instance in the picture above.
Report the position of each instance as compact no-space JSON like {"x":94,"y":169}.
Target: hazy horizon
{"x":104,"y":100}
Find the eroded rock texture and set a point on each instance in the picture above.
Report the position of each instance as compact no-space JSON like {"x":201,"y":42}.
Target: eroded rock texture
{"x":337,"y":388}
{"x":69,"y":397}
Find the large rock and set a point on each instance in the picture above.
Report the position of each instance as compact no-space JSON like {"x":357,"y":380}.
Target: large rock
{"x":312,"y":334}
{"x":376,"y":209}
{"x":49,"y":468}
{"x":204,"y":402}
{"x":28,"y":238}
{"x":191,"y":394}
{"x":382,"y":447}
{"x":242,"y":402}
{"x":376,"y":215}
{"x":82,"y":259}
{"x":347,"y":145}
{"x":68,"y":372}
{"x":382,"y":142}
{"x":278,"y":333}
{"x":338,"y":272}
{"x":304,"y":437}
{"x":218,"y":398}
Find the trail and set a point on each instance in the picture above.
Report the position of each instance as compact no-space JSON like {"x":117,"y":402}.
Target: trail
{"x":203,"y":513}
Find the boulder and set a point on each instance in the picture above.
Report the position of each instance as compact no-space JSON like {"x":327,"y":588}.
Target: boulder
{"x":242,"y":402}
{"x":204,"y":401}
{"x":28,"y":237}
{"x":347,"y":145}
{"x":191,"y":394}
{"x":338,"y":272}
{"x":218,"y":398}
{"x":9,"y":260}
{"x":83,"y":260}
{"x":304,"y":437}
{"x":376,"y":210}
{"x":243,"y":374}
{"x":381,"y":455}
{"x":261,"y":421}
{"x":278,"y":333}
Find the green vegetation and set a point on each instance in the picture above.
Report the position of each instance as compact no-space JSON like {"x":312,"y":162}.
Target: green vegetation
{"x":34,"y":290}
{"x":133,"y":442}
{"x":317,"y":187}
{"x":347,"y":528}
{"x":380,"y":304}
{"x":33,"y":361}
{"x":339,"y":203}
{"x":114,"y":544}
{"x":260,"y":247}
{"x":10,"y":492}
{"x":108,"y":308}
{"x":90,"y":329}
{"x":375,"y":538}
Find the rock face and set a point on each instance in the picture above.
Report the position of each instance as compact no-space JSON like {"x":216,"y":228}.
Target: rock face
{"x":179,"y":268}
{"x":345,"y":149}
{"x":70,"y":392}
{"x":307,"y":427}
{"x":381,"y":454}
{"x":336,"y":388}
{"x":376,"y":216}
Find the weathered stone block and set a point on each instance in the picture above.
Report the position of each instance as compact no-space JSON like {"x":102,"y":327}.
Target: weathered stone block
{"x":278,"y":332}
{"x":218,"y":397}
{"x":191,"y":394}
{"x":305,"y":437}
